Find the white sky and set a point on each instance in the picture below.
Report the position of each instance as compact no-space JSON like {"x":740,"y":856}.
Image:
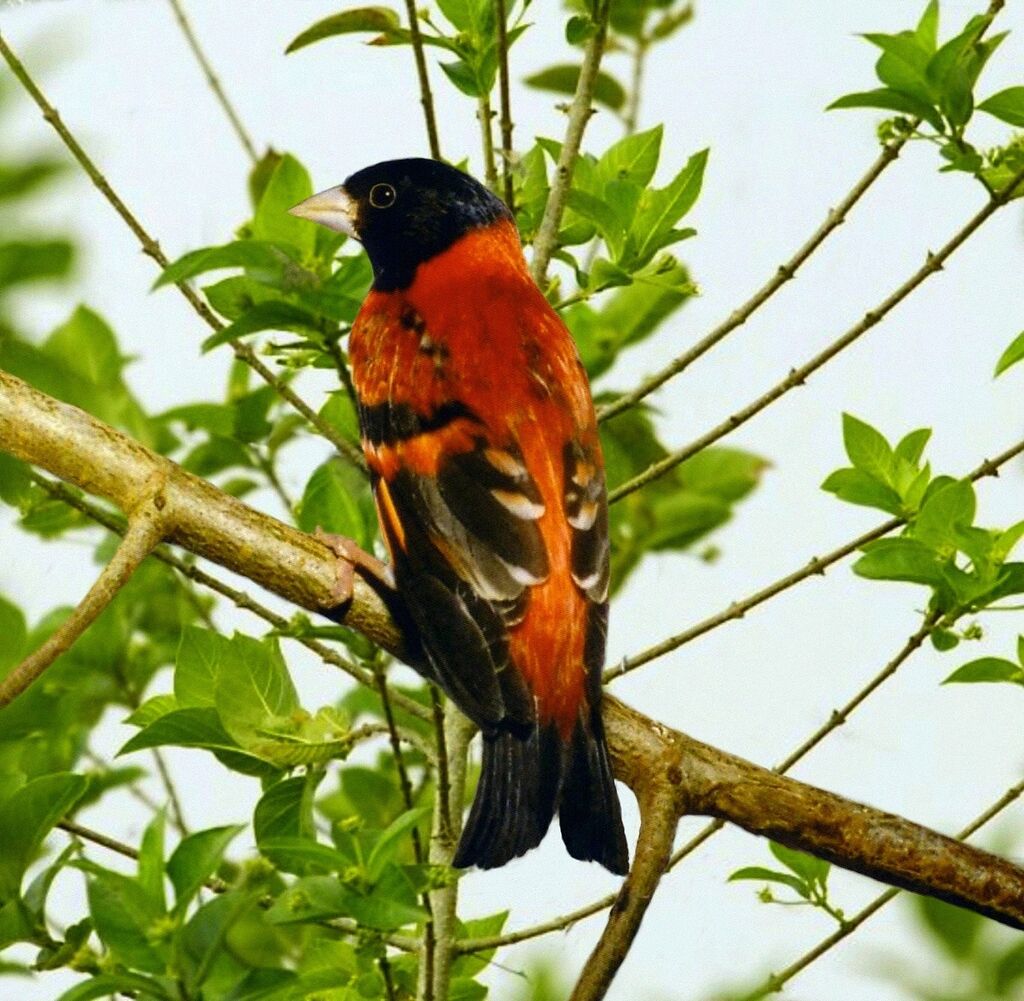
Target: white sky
{"x":749,"y":80}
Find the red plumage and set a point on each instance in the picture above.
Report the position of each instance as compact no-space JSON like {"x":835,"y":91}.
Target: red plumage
{"x":480,"y":434}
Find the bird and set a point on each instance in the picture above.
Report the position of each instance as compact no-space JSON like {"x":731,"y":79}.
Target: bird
{"x":480,"y":435}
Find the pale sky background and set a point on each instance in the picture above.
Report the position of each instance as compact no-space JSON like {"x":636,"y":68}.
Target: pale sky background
{"x":750,"y":80}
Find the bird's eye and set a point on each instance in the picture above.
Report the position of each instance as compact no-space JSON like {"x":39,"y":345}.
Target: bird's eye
{"x":382,"y":196}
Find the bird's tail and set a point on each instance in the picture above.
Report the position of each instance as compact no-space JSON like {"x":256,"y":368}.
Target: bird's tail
{"x":524,"y":779}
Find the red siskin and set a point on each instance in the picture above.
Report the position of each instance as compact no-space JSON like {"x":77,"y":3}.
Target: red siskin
{"x":480,"y":435}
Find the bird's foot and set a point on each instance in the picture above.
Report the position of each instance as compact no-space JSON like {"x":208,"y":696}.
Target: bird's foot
{"x":350,"y":558}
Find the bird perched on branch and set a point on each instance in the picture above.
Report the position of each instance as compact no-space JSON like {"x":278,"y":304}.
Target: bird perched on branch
{"x":480,"y":435}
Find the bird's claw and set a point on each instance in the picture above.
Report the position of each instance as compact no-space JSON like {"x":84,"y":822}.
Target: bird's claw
{"x":351,"y":556}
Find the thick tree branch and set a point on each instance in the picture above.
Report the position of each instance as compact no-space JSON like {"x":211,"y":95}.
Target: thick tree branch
{"x":798,"y":376}
{"x":146,"y":527}
{"x":213,"y":80}
{"x":647,"y":755}
{"x":546,"y":242}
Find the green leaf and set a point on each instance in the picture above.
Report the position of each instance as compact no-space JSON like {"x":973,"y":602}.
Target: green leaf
{"x":316,"y":898}
{"x":1007,"y":105}
{"x":903,"y":65}
{"x":955,"y":929}
{"x":377,"y":19}
{"x":253,"y":255}
{"x":151,"y":860}
{"x":807,"y":867}
{"x":285,"y":810}
{"x":856,"y":487}
{"x":124,"y":915}
{"x":33,"y":260}
{"x":200,"y":654}
{"x":108,"y":985}
{"x":386,"y":846}
{"x":194,"y":727}
{"x":1014,"y":353}
{"x":868,"y":450}
{"x":987,"y":669}
{"x":195,"y":860}
{"x":274,"y":314}
{"x":27,"y":816}
{"x":463,"y":76}
{"x":890,"y":100}
{"x":762,"y":875}
{"x":337,"y":499}
{"x":289,"y":184}
{"x":927,"y":33}
{"x":661,"y":209}
{"x":943,"y":513}
{"x":14,"y":632}
{"x":911,"y":446}
{"x":563,"y":78}
{"x":253,"y":687}
{"x":15,"y":485}
{"x":901,"y":560}
{"x":634,"y":158}
{"x":297,"y":855}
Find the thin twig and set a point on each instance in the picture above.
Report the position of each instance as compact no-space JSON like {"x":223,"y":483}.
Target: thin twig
{"x":505,"y":97}
{"x":815,"y":567}
{"x":632,"y":115}
{"x":151,"y":248}
{"x":426,"y":98}
{"x":776,"y":981}
{"x":484,"y":116}
{"x":213,"y":81}
{"x":144,"y":532}
{"x":546,"y":242}
{"x":798,"y":376}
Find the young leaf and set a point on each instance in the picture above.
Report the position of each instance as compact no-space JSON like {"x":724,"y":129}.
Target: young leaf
{"x":289,"y":184}
{"x":253,"y":686}
{"x":377,"y":19}
{"x":661,"y":209}
{"x":195,"y":860}
{"x":856,"y":487}
{"x":26,"y":817}
{"x":890,"y":100}
{"x":386,"y":846}
{"x":151,"y":860}
{"x":1007,"y":105}
{"x":562,"y":79}
{"x":762,"y":875}
{"x":902,"y":560}
{"x":987,"y":669}
{"x":200,"y":653}
{"x":1014,"y":353}
{"x":124,"y":914}
{"x":273,"y":314}
{"x":634,"y":158}
{"x":911,"y":446}
{"x":868,"y":450}
{"x":258,"y":255}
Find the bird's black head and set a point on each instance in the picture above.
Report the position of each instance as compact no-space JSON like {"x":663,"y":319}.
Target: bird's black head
{"x":405,"y":212}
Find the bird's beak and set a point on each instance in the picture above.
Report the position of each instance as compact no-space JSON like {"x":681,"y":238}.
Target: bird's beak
{"x":334,"y":208}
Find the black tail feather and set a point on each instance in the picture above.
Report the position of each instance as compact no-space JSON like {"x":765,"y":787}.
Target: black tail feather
{"x":522,"y":781}
{"x":515,"y":799}
{"x":588,"y":812}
